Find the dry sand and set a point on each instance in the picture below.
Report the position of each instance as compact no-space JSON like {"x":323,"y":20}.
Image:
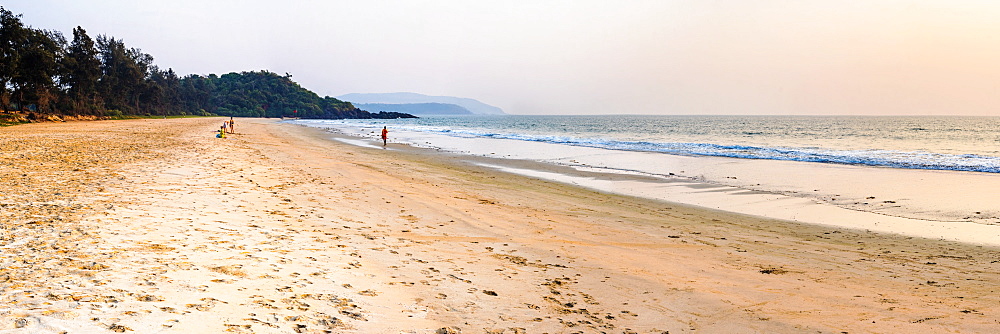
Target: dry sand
{"x":155,"y":226}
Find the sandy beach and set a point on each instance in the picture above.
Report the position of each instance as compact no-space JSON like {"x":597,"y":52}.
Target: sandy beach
{"x":156,"y":226}
{"x":937,"y":204}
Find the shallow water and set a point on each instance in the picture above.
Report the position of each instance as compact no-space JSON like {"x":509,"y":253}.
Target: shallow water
{"x":944,"y":202}
{"x":941,"y":143}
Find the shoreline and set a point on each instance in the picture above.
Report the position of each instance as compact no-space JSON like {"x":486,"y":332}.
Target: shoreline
{"x":279,"y":229}
{"x":901,"y":201}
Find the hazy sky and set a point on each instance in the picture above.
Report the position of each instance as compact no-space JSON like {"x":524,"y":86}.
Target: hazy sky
{"x":912,"y":57}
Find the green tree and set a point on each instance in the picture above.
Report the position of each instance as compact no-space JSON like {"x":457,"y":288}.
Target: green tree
{"x":103,"y":76}
{"x":195,"y":93}
{"x":263,"y":93}
{"x":81,"y":73}
{"x":36,"y":67}
{"x":161,"y":92}
{"x":12,"y":32}
{"x":123,"y":74}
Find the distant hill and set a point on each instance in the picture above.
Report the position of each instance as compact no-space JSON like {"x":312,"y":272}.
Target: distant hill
{"x":45,"y":76}
{"x":472,"y":105}
{"x":416,"y":108}
{"x":265,"y":94}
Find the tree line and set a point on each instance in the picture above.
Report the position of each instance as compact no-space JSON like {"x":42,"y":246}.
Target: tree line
{"x":41,"y":71}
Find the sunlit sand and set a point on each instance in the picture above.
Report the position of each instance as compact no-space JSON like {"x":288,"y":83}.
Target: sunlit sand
{"x":156,"y":226}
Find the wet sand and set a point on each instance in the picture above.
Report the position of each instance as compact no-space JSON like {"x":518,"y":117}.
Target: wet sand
{"x":938,"y":204}
{"x":155,"y":226}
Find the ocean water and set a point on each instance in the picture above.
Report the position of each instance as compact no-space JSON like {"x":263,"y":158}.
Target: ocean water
{"x":917,"y":142}
{"x":931,"y":177}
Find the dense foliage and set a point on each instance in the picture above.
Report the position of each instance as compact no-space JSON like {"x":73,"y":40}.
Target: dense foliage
{"x":263,"y":94}
{"x":42,"y":72}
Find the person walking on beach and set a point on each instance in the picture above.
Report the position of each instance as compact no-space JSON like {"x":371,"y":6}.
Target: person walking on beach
{"x":232,"y":125}
{"x":385,"y":136}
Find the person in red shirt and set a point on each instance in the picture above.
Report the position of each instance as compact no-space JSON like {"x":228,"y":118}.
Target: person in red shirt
{"x":385,"y":136}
